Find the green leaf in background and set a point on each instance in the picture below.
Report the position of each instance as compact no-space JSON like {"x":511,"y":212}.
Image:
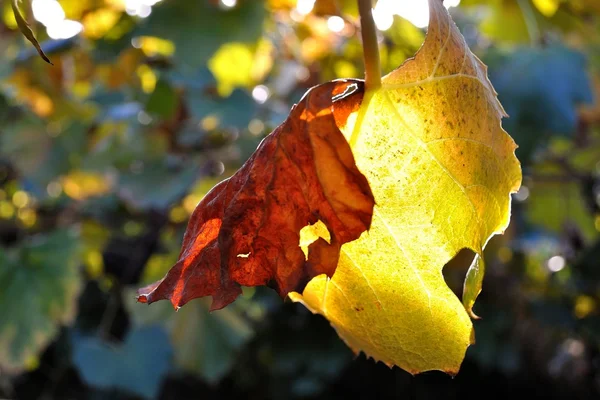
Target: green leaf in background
{"x":558,"y":202}
{"x":235,"y":111}
{"x":540,"y":89}
{"x":163,"y":100}
{"x":39,"y":155}
{"x":184,"y":21}
{"x":205,"y":343}
{"x":39,"y":285}
{"x":140,"y":188}
{"x":137,"y":366}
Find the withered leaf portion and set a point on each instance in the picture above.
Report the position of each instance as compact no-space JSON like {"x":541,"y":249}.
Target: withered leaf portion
{"x":26,"y":30}
{"x":246,"y":230}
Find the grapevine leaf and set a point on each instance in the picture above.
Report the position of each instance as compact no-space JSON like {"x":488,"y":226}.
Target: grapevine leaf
{"x":130,"y":367}
{"x":442,"y":169}
{"x":39,"y":284}
{"x":247,"y":229}
{"x":203,"y":343}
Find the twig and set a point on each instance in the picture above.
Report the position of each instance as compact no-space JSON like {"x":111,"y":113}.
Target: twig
{"x":368,"y":33}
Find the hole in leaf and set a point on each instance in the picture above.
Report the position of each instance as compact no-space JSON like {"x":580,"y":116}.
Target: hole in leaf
{"x":311,"y":233}
{"x":456,"y":269}
{"x":243,"y":255}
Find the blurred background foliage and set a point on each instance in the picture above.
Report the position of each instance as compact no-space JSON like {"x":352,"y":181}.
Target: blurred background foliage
{"x":104,"y":155}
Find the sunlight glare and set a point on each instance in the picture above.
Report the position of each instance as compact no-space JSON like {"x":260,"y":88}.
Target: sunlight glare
{"x":47,"y":12}
{"x":415,"y":11}
{"x":260,"y":93}
{"x":556,"y":263}
{"x":139,"y":8}
{"x":335,"y":24}
{"x":64,"y":29}
{"x":51,"y":14}
{"x":304,"y":7}
{"x":382,"y":17}
{"x":229,"y":3}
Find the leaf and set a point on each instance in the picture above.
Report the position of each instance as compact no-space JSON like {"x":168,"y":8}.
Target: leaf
{"x":246,"y":231}
{"x":40,"y":158}
{"x":39,"y":284}
{"x":163,"y":100}
{"x":236,"y":110}
{"x":441,"y":168}
{"x":139,"y":188}
{"x":137,"y":366}
{"x":182,"y":21}
{"x":204,"y":343}
{"x":542,"y":89}
{"x":559,"y":202}
{"x":26,"y":30}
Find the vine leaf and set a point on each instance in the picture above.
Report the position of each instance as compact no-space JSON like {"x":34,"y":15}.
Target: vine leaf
{"x":442,"y":169}
{"x":106,"y":366}
{"x":39,"y":285}
{"x":247,"y":229}
{"x":26,"y":30}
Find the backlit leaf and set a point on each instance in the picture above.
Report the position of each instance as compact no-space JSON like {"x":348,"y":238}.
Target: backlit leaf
{"x":246,"y":231}
{"x":441,"y":169}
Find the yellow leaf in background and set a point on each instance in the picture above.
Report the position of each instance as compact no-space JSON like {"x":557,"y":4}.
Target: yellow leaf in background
{"x":81,"y":185}
{"x":98,"y":23}
{"x":241,"y":65}
{"x":147,"y":78}
{"x":281,"y":4}
{"x":152,"y":46}
{"x":230,"y":66}
{"x":547,"y":7}
{"x":40,"y":102}
{"x":442,"y":169}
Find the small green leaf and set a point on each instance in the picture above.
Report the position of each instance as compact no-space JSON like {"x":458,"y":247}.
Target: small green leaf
{"x":26,"y":30}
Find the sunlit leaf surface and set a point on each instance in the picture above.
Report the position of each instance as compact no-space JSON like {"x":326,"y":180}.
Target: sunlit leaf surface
{"x":441,"y":169}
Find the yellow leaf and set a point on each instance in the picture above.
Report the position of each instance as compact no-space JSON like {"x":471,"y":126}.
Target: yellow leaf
{"x":231,"y":65}
{"x":547,"y":7}
{"x":81,"y":185}
{"x":241,"y":65}
{"x":442,"y":169}
{"x":99,"y":22}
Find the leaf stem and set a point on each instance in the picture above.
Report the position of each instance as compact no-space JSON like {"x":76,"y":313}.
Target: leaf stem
{"x":368,"y":33}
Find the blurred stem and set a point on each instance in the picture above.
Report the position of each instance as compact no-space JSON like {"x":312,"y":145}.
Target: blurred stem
{"x":530,"y":22}
{"x":368,"y":33}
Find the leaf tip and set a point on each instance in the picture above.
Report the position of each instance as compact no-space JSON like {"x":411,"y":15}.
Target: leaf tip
{"x":142,"y":298}
{"x":27,"y":32}
{"x":471,"y":313}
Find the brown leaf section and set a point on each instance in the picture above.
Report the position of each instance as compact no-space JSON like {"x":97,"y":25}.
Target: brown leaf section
{"x":245,"y":232}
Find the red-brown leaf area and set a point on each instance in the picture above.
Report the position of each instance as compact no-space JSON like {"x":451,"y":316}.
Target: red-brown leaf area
{"x":246,"y":230}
